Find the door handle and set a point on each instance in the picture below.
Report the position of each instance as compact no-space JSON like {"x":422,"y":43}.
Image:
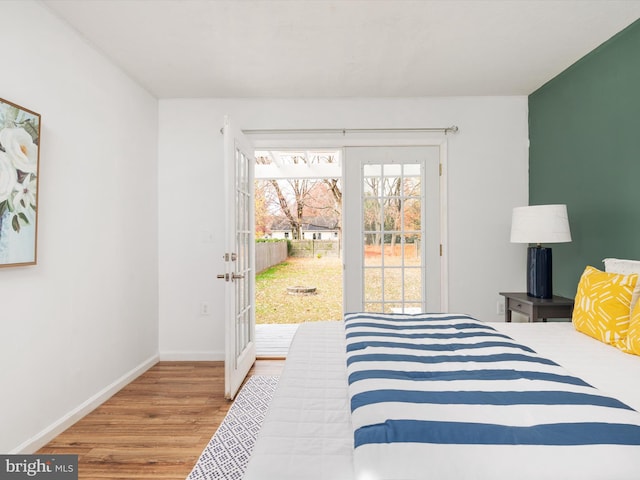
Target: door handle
{"x":232,"y":277}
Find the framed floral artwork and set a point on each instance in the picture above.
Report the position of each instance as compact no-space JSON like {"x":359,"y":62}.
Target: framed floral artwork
{"x":19,"y":175}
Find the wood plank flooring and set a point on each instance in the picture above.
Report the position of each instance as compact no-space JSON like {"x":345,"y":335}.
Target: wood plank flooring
{"x":156,"y":427}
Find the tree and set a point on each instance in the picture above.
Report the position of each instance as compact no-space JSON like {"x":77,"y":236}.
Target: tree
{"x":322,"y":207}
{"x":301,"y":199}
{"x":262,"y":215}
{"x":391,"y":204}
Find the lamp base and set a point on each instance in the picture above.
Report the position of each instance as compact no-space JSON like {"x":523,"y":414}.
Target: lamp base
{"x":539,"y":272}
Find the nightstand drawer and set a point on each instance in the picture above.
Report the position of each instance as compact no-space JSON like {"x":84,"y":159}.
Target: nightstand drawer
{"x":519,"y":307}
{"x":536,"y":309}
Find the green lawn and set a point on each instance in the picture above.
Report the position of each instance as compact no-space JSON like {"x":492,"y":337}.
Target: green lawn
{"x":275,"y":305}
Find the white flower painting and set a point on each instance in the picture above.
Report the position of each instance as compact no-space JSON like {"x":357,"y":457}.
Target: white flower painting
{"x":19,"y":162}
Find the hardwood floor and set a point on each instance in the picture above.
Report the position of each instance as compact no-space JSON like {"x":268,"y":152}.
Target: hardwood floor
{"x":156,"y":427}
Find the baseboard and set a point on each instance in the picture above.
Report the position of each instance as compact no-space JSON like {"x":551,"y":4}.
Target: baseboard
{"x":190,"y":356}
{"x":45,"y":436}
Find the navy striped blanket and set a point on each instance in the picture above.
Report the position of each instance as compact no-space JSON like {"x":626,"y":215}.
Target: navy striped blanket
{"x":441,"y":396}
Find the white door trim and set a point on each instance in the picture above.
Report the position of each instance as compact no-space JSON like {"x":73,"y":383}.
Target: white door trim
{"x":297,"y":141}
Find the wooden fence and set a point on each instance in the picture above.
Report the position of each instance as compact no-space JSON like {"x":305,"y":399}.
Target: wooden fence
{"x":269,"y":254}
{"x":315,"y":248}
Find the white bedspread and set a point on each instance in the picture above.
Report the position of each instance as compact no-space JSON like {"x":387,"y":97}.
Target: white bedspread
{"x":610,"y":370}
{"x":307,"y":432}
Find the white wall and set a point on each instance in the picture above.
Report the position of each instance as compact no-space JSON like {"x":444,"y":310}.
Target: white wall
{"x":85,"y":319}
{"x":488,"y":176}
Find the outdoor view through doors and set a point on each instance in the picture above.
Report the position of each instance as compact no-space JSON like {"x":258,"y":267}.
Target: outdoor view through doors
{"x":298,"y":215}
{"x":385,"y":239}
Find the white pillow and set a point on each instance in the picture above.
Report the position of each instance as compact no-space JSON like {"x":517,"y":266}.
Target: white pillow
{"x":625,"y":267}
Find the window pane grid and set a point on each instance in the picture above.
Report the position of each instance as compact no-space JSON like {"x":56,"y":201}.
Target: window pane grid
{"x":392,"y":200}
{"x":242,"y":264}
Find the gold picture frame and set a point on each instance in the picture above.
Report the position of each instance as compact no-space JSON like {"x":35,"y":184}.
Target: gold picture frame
{"x":19,"y":180}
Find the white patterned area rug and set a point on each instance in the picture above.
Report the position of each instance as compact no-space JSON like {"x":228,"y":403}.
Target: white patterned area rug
{"x":227,"y":454}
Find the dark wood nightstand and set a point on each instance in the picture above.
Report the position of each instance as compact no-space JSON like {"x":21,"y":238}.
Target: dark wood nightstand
{"x":536,"y":308}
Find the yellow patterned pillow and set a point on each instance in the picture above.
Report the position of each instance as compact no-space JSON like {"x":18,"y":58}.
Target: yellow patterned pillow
{"x":602,"y":303}
{"x":631,"y":344}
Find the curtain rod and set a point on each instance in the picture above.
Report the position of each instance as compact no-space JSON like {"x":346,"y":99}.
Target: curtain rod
{"x":344,"y":131}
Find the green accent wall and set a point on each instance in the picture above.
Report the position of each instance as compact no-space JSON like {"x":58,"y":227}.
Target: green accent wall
{"x":584,"y":129}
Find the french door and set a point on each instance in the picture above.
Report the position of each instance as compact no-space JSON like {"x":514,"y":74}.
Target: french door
{"x":239,"y":274}
{"x":392,"y":229}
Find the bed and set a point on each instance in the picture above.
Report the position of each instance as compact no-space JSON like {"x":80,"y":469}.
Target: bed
{"x":538,"y":401}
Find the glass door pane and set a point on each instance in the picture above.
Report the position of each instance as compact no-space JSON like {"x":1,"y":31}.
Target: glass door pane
{"x":393,"y":224}
{"x":392,"y":220}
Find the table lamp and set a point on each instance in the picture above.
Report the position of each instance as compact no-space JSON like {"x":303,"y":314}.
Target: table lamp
{"x":540,"y":224}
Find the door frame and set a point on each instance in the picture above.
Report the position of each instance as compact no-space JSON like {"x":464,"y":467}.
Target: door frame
{"x":289,"y":141}
{"x":429,"y":162}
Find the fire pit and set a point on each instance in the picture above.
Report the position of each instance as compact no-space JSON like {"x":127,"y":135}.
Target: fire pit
{"x":301,"y":290}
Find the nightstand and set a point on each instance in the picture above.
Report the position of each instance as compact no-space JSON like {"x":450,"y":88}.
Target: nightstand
{"x":536,"y":308}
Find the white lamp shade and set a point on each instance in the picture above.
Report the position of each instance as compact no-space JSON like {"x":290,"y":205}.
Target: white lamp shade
{"x":540,"y":224}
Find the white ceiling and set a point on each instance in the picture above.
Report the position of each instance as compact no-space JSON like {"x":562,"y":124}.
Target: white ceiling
{"x":344,"y":48}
